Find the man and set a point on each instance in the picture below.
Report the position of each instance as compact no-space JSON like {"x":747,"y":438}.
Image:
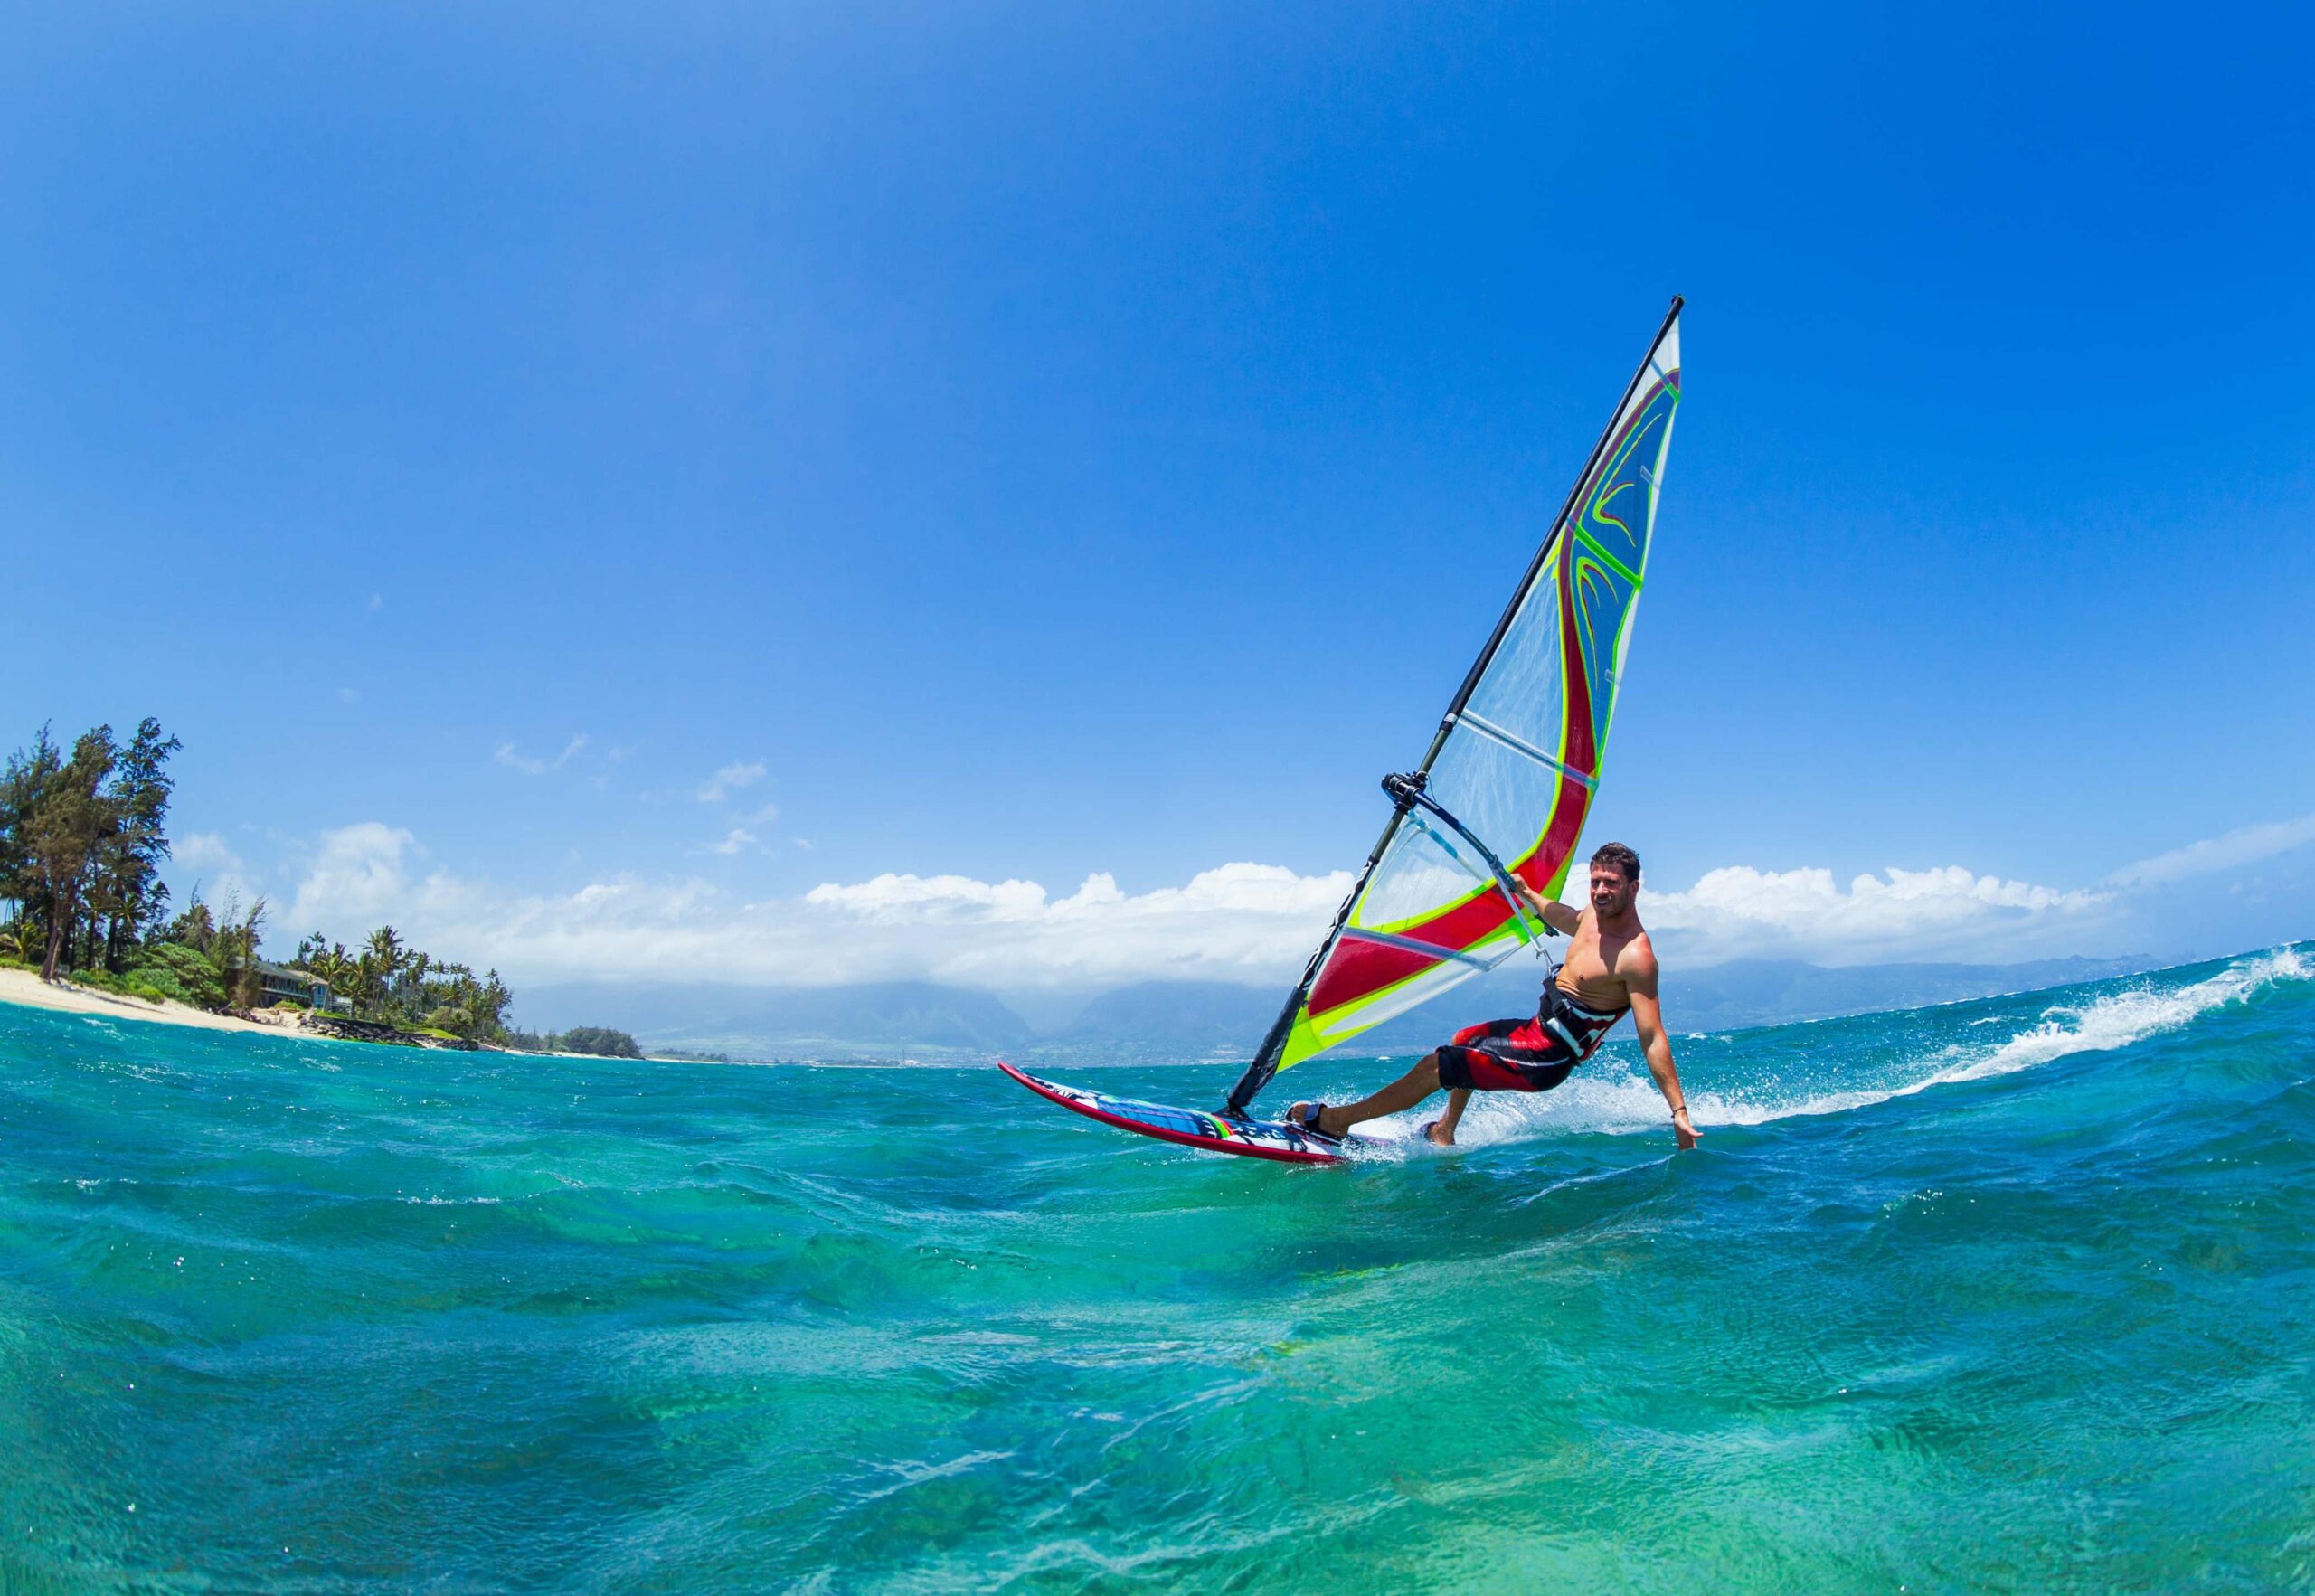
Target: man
{"x":1610,"y":968}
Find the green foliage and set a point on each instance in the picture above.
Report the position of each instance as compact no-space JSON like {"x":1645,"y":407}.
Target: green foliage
{"x":103,"y":980}
{"x":394,"y":984}
{"x":66,"y":821}
{"x":182,"y":973}
{"x":195,"y":929}
{"x":125,"y":890}
{"x":600,"y":1040}
{"x":81,"y":843}
{"x":145,"y":982}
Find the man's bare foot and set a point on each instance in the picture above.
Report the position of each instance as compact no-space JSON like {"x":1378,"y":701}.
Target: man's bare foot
{"x":1299,"y":1114}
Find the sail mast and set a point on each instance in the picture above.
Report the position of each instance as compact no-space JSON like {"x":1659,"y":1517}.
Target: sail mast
{"x":1265,"y":1063}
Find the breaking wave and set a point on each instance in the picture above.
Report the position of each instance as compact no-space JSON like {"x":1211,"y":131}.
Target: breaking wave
{"x":1624,"y":1098}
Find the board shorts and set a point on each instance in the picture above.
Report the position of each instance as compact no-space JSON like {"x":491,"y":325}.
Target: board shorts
{"x":1532,"y":1054}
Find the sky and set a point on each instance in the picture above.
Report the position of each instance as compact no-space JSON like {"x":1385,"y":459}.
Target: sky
{"x":810,"y":494}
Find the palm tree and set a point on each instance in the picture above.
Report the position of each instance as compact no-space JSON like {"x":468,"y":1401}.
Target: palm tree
{"x":386,"y":953}
{"x":235,"y":951}
{"x":333,"y":969}
{"x":369,"y":982}
{"x":388,"y":948}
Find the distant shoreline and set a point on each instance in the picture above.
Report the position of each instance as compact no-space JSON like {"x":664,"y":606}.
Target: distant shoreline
{"x":27,"y":990}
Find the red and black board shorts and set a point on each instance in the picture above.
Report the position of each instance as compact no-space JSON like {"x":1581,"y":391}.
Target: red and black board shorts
{"x":1505,"y":1055}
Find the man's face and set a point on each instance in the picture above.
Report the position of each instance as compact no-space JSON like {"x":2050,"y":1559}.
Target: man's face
{"x":1611,"y":890}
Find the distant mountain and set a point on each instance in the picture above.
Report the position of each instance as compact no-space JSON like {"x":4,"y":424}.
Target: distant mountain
{"x":1182,"y":1021}
{"x":1777,"y":991}
{"x":1182,"y":1018}
{"x":882,"y":1019}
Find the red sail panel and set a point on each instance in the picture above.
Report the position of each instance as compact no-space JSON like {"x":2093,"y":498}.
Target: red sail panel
{"x":1358,"y":968}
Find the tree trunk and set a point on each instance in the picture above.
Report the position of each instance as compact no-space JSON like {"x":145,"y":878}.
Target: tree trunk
{"x":60,"y":927}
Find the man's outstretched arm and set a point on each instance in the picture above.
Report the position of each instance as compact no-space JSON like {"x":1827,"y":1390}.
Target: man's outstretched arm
{"x":1648,"y":1019}
{"x":1558,"y":916}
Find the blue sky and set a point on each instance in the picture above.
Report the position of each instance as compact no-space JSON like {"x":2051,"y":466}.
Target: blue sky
{"x":1021,"y":445}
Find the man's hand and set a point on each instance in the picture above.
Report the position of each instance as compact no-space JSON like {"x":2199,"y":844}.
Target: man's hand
{"x":1556,"y":915}
{"x":1683,"y":1128}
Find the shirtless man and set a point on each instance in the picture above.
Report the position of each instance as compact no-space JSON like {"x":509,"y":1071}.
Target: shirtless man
{"x":1610,"y":968}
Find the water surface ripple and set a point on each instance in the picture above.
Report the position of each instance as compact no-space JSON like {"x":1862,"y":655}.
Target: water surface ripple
{"x":2014,"y":1293}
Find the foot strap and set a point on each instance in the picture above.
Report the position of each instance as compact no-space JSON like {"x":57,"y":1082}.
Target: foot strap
{"x":1308,"y":1123}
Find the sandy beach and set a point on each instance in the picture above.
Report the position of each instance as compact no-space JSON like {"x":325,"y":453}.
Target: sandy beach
{"x":22,"y":986}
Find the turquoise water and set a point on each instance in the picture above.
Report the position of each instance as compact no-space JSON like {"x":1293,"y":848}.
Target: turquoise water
{"x":2009,"y":1294}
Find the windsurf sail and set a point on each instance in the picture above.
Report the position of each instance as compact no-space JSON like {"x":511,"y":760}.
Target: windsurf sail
{"x":1510,"y":778}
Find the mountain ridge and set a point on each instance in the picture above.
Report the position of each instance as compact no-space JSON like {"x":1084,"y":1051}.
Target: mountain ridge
{"x":1163,"y":1021}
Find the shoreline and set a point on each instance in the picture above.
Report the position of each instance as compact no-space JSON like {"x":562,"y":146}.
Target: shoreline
{"x":27,"y":990}
{"x":24,"y":990}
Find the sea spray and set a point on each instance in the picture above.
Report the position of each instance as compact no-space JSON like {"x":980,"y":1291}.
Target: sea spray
{"x":1614,"y":1093}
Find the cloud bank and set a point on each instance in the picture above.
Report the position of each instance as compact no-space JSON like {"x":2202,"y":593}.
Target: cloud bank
{"x":1947,"y":913}
{"x":1238,"y":922}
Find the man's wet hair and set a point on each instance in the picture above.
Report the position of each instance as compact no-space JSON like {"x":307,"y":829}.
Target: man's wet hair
{"x":1619,"y":858}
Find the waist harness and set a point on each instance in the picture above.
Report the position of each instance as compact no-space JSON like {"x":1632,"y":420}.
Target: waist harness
{"x":1574,"y":1021}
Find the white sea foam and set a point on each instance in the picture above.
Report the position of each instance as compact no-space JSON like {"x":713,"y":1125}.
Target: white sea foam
{"x":1629,"y":1101}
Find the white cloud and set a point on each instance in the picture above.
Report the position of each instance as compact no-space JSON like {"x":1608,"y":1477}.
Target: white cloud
{"x":2246,"y":845}
{"x":377,"y":602}
{"x":204,"y":862}
{"x":204,"y":850}
{"x":765,"y":816}
{"x":1240,"y":922}
{"x":730,"y":779}
{"x":360,"y":879}
{"x":1938,"y":913}
{"x":515,"y":760}
{"x":1250,"y":923}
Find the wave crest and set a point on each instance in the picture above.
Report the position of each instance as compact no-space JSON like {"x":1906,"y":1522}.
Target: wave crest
{"x":1629,"y":1101}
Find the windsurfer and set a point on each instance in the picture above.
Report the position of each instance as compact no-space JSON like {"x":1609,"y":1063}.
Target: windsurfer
{"x":1610,"y":968}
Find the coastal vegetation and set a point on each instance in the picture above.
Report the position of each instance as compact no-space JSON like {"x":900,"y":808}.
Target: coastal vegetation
{"x":389,"y":982}
{"x":81,"y":843}
{"x":599,"y":1040}
{"x":83,"y":838}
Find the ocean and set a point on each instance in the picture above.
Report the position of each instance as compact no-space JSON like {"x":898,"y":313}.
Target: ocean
{"x":2008,"y":1294}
